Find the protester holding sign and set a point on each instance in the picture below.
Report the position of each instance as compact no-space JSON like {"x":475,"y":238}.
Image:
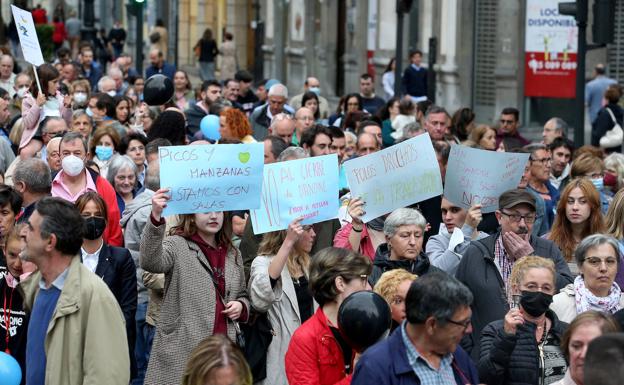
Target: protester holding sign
{"x":38,"y":104}
{"x":205,"y":291}
{"x":279,"y":285}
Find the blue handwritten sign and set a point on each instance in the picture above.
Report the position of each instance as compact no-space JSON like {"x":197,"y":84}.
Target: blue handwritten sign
{"x":297,"y":188}
{"x":475,"y":176}
{"x":398,"y":176}
{"x":206,"y":178}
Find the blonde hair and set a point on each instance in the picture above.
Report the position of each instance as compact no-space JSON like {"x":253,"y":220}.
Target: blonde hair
{"x":215,"y":352}
{"x":524,"y":264}
{"x":15,"y":136}
{"x":297,"y":259}
{"x":389,"y":282}
{"x":615,"y":216}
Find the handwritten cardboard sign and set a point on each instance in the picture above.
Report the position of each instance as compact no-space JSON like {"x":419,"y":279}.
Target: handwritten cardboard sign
{"x":27,"y":36}
{"x":475,"y":176}
{"x":297,"y":188}
{"x":398,"y":176}
{"x":206,"y":178}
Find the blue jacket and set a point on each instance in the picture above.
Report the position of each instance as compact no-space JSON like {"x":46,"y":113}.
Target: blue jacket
{"x":386,"y":363}
{"x":167,"y":69}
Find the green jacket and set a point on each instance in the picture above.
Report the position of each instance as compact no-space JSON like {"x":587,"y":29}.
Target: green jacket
{"x":86,"y":340}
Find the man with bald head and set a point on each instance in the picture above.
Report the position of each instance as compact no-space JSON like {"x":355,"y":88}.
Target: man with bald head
{"x":7,"y":77}
{"x":159,"y":65}
{"x":366,"y":144}
{"x":283,"y":126}
{"x":314,"y":85}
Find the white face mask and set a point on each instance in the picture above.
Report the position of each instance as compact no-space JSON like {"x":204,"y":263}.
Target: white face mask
{"x":80,"y":97}
{"x":112,"y":93}
{"x":21,"y":92}
{"x":72,"y":165}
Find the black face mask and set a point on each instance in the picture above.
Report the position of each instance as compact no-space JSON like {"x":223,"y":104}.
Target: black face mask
{"x":95,"y":227}
{"x":535,"y":303}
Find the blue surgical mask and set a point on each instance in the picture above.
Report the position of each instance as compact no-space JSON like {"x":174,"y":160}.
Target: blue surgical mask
{"x":316,"y":90}
{"x":89,"y":112}
{"x":103,"y":152}
{"x":598,"y":183}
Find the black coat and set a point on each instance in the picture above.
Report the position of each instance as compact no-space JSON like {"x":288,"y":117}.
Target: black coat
{"x":604,"y":123}
{"x":415,"y":82}
{"x":478,"y":271}
{"x":382,"y":263}
{"x":513,"y":359}
{"x":117,"y":269}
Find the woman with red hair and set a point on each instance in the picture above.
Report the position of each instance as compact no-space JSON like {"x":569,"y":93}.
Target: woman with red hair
{"x":233,"y":124}
{"x":578,"y":215}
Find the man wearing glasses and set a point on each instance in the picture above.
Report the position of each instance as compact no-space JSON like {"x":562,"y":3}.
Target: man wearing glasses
{"x":508,"y":130}
{"x":540,"y":165}
{"x":486,"y":265}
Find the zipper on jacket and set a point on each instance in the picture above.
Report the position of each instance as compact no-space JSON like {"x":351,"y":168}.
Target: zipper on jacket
{"x":540,"y":347}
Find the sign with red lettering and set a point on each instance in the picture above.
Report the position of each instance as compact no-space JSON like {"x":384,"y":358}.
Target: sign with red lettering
{"x":395,"y":177}
{"x":550,"y":51}
{"x":305,"y":188}
{"x":475,"y":176}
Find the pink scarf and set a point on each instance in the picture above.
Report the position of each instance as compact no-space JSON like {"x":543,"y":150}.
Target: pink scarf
{"x":585,"y":300}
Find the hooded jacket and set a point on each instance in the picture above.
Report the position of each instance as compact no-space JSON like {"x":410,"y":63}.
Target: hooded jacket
{"x":383,"y":263}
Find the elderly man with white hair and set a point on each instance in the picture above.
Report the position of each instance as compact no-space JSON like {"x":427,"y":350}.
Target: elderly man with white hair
{"x":276,"y":103}
{"x":117,"y":75}
{"x":107,"y":85}
{"x":7,"y":77}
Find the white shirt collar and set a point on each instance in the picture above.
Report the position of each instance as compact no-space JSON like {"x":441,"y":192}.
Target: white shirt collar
{"x":90,"y":261}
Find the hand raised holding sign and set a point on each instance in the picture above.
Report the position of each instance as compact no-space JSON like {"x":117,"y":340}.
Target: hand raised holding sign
{"x":159,"y":202}
{"x":356,"y":210}
{"x":474,"y":216}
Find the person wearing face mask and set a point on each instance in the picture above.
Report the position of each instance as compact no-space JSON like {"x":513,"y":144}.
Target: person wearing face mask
{"x":74,"y":180}
{"x":206,"y":289}
{"x":524,"y":347}
{"x":114,"y":265}
{"x":36,"y":106}
{"x":311,"y":84}
{"x":404,"y":230}
{"x":591,"y":167}
{"x":614,"y":172}
{"x":80,"y":93}
{"x":14,"y":318}
{"x":21,"y":87}
{"x":598,"y":258}
{"x":487,"y":263}
{"x":104,"y":145}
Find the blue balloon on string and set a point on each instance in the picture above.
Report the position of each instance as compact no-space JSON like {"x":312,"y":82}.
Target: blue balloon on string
{"x":209,"y":126}
{"x":10,"y":371}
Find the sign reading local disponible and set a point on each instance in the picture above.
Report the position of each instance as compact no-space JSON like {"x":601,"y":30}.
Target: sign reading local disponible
{"x":475,"y":176}
{"x":305,"y":188}
{"x":27,"y":36}
{"x":206,"y":178}
{"x":550,"y":51}
{"x":398,"y":176}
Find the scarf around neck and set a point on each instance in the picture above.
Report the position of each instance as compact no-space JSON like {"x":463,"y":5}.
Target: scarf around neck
{"x":586,"y":300}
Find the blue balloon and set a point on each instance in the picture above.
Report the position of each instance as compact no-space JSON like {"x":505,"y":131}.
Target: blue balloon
{"x":10,"y":371}
{"x":209,"y":126}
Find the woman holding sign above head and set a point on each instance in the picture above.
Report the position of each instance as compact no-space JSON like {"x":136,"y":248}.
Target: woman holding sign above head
{"x":279,"y":286}
{"x":36,"y":106}
{"x":205,"y":291}
{"x":446,"y":248}
{"x":358,"y":236}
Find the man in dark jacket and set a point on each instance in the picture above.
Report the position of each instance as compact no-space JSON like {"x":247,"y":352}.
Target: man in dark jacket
{"x":210,"y":93}
{"x":486,"y":265}
{"x":424,"y":349}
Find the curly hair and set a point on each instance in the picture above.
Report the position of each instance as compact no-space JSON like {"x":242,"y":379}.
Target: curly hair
{"x":561,"y":232}
{"x":237,"y":122}
{"x":524,"y":264}
{"x":389,"y":282}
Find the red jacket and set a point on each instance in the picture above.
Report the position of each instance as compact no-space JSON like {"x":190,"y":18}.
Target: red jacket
{"x":112,"y":234}
{"x":314,"y":356}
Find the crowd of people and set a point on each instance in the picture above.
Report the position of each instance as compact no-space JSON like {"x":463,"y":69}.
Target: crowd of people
{"x":98,"y":286}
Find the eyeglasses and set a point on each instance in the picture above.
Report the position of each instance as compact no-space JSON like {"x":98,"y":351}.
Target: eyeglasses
{"x":463,"y":324}
{"x":543,"y":161}
{"x":529,"y":218}
{"x":597,"y":262}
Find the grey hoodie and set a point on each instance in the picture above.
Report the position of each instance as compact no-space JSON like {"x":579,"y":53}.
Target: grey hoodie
{"x":132,"y":221}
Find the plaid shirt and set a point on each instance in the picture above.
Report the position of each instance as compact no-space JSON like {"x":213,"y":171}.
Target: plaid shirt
{"x":425,"y":372}
{"x":502,"y":261}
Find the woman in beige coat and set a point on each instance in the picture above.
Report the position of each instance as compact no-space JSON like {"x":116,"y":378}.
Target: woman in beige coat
{"x":279,"y":285}
{"x":198,"y":251}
